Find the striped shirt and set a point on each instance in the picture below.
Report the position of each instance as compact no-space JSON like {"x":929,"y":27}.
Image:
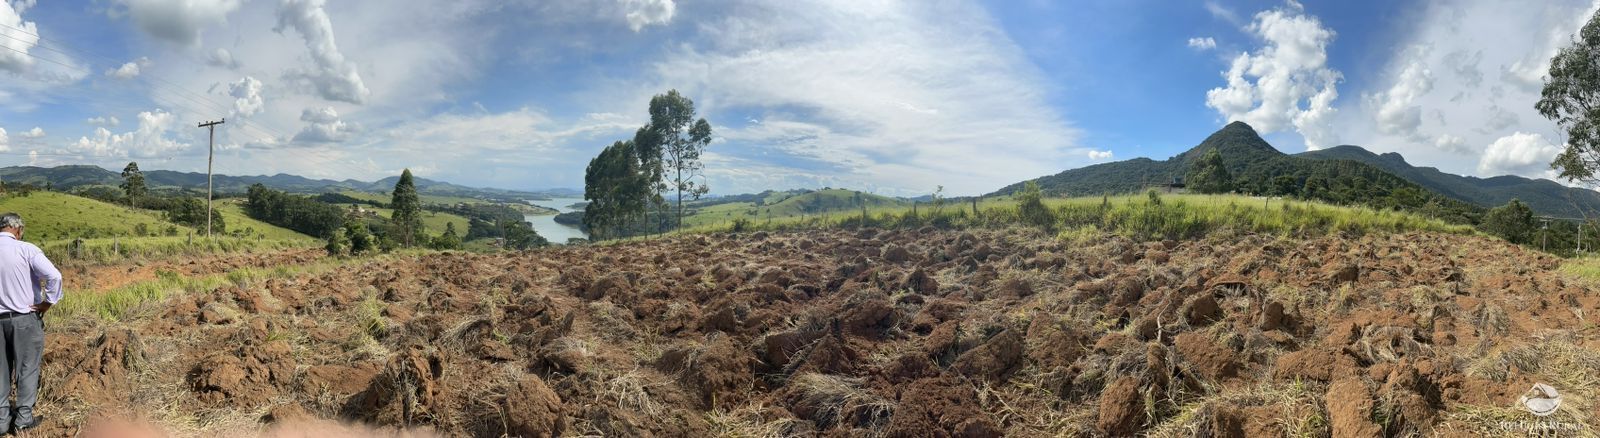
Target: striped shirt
{"x":26,"y":276}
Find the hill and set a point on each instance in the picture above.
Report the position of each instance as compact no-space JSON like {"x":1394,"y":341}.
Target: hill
{"x":1257,"y":168}
{"x":54,"y":216}
{"x":795,"y":203}
{"x":73,"y":176}
{"x":1542,"y":195}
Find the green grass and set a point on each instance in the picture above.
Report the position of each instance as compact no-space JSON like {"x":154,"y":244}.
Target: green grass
{"x":1139,"y":217}
{"x":238,"y":221}
{"x":786,"y":205}
{"x":435,"y":221}
{"x":426,"y":199}
{"x":56,"y":216}
{"x":1583,"y":267}
{"x":111,"y":249}
{"x":125,"y":302}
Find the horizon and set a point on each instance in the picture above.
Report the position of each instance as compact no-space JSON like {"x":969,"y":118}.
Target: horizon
{"x":521,"y":96}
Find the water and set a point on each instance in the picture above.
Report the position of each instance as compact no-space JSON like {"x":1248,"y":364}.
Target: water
{"x":546,"y":224}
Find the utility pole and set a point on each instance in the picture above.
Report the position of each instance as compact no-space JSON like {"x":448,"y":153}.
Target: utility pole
{"x":211,"y":152}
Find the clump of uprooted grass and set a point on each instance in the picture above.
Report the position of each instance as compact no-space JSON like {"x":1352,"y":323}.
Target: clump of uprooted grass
{"x":1299,"y":406}
{"x":752,"y":420}
{"x":1557,"y":361}
{"x":1143,"y":217}
{"x":837,"y":400}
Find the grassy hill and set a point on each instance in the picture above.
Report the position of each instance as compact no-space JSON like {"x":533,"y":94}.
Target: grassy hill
{"x":1136,"y":216}
{"x":53,"y":216}
{"x":233,"y":213}
{"x":433,"y":220}
{"x":1256,"y":167}
{"x":1543,"y":196}
{"x":790,"y":204}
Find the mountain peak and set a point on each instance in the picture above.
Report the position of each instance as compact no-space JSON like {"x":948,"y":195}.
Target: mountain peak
{"x":1239,"y":126}
{"x":1237,"y":140}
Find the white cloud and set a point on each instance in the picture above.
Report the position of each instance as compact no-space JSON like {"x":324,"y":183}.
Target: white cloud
{"x":1451,"y":143}
{"x":148,"y":140}
{"x":129,"y":70}
{"x":1397,"y":112}
{"x":1287,"y":82}
{"x":5,"y":142}
{"x":333,"y":77}
{"x":1519,"y":153}
{"x":103,"y":121}
{"x":814,"y":74}
{"x":246,"y":93}
{"x":323,"y":126}
{"x":641,"y":13}
{"x":1221,"y":12}
{"x":1099,"y":155}
{"x":178,"y":21}
{"x":35,"y":133}
{"x":16,"y":37}
{"x":1199,"y":43}
{"x":1467,"y":80}
{"x":222,"y":58}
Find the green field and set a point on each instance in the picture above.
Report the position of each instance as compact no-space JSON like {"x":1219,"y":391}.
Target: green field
{"x":1137,"y":216}
{"x":57,"y":216}
{"x":426,"y":199}
{"x":785,"y":205}
{"x":233,"y":213}
{"x":433,"y":220}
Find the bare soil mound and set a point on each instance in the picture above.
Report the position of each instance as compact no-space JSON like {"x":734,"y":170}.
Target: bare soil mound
{"x":876,"y":333}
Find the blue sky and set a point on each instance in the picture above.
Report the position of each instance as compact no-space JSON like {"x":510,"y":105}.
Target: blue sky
{"x":892,"y":97}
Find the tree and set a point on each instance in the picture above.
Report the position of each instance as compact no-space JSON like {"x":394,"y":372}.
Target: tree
{"x":519,"y":235}
{"x":192,"y":212}
{"x":1285,"y":185}
{"x":1512,"y":222}
{"x":133,"y":183}
{"x":1030,"y":206}
{"x":617,"y":188}
{"x":447,"y":240}
{"x":1571,"y":98}
{"x":361,"y":240}
{"x":1210,"y":175}
{"x":407,"y":216}
{"x":338,"y":243}
{"x":670,"y":147}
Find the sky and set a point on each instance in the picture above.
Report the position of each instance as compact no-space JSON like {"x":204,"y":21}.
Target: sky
{"x":893,"y":97}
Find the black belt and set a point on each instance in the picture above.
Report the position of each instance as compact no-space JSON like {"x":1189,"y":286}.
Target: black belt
{"x":9,"y":315}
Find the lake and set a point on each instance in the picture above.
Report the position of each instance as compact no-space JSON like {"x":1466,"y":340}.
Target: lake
{"x":546,"y":224}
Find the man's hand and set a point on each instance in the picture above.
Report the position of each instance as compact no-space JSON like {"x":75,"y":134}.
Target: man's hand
{"x":41,"y":308}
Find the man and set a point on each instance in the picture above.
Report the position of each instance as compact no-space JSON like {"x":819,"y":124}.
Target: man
{"x":29,"y":285}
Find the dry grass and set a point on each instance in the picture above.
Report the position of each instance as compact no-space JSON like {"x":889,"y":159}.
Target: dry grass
{"x":841,"y":400}
{"x":1299,"y":406}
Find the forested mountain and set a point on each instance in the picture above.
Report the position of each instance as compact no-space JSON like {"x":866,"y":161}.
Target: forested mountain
{"x":1256,"y":167}
{"x":67,"y":177}
{"x":1544,"y":196}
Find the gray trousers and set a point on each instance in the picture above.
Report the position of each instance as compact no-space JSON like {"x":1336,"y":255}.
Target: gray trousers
{"x":22,"y":342}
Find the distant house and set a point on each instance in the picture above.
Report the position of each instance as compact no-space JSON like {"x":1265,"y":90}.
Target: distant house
{"x":1176,"y":185}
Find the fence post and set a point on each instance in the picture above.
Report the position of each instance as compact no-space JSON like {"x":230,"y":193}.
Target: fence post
{"x":116,"y":245}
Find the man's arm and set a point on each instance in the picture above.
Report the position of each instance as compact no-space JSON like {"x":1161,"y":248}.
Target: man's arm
{"x":49,"y":277}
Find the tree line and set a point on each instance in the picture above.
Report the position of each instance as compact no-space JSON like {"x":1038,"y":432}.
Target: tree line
{"x":627,"y":183}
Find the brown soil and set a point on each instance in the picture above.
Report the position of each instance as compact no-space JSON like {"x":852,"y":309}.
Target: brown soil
{"x":844,"y":333}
